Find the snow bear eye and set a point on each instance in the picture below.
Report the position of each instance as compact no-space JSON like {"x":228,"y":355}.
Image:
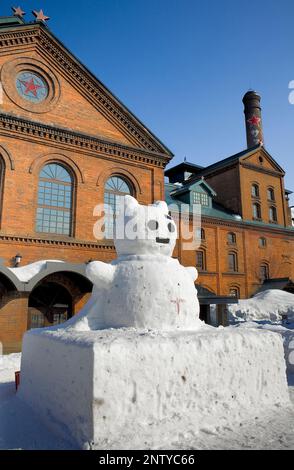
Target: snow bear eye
{"x":171,"y":227}
{"x":153,"y":225}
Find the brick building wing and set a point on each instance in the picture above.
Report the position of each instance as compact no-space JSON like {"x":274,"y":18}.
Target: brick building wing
{"x":68,"y":144}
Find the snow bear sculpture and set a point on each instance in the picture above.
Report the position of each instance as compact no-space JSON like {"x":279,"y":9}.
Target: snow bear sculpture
{"x":144,"y":287}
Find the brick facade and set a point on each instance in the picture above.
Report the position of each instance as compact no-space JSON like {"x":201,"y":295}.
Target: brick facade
{"x":83,"y":127}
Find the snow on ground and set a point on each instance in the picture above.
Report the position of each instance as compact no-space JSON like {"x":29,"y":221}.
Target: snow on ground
{"x":20,"y":428}
{"x":26,"y":273}
{"x":268,"y":305}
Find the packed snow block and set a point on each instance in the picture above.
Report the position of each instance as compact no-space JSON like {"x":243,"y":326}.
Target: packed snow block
{"x":119,"y":388}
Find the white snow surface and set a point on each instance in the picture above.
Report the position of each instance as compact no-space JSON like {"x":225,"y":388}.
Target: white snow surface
{"x":21,"y":427}
{"x":26,"y":273}
{"x":268,"y":305}
{"x":163,"y":386}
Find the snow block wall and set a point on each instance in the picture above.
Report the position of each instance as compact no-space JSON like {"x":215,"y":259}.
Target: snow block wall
{"x":119,"y":388}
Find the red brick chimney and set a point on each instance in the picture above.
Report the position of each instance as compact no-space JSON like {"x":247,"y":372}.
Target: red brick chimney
{"x":253,"y":120}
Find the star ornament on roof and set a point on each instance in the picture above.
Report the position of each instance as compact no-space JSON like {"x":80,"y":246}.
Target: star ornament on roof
{"x":254,"y":121}
{"x":40,"y":16}
{"x":17,"y":11}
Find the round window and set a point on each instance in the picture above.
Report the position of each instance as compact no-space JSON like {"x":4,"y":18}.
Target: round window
{"x":31,"y":87}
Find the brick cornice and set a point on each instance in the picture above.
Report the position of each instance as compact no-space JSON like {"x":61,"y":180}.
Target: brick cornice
{"x":83,"y":80}
{"x":13,"y":125}
{"x":260,"y":169}
{"x":74,"y":243}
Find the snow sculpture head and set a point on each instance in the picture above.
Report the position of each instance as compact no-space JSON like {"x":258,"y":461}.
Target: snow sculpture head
{"x":143,"y":230}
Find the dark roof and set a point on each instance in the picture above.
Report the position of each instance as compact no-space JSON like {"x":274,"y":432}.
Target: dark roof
{"x":192,"y":167}
{"x":206,"y":297}
{"x":204,"y":171}
{"x":6,"y":21}
{"x":282,"y":283}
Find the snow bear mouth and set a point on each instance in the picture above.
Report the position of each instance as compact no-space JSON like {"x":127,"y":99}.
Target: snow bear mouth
{"x":162,"y":240}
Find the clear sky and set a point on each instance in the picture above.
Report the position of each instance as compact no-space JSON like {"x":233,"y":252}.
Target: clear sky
{"x":182,"y":66}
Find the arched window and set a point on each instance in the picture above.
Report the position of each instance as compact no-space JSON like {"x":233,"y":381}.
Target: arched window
{"x":255,"y":190}
{"x":231,"y":238}
{"x":54,"y":212}
{"x":115,"y":188}
{"x":200,"y":234}
{"x":234,"y":292}
{"x":264,"y":271}
{"x":270,"y":194}
{"x":273,"y":214}
{"x":262,"y":242}
{"x":2,"y":171}
{"x":256,"y":212}
{"x":201,"y":260}
{"x":233,"y":261}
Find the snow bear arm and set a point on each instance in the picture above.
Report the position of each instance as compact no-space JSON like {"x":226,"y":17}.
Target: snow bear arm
{"x":193,"y":272}
{"x":101,"y":274}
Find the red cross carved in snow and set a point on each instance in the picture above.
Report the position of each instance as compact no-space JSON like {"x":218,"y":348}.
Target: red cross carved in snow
{"x":178,"y":304}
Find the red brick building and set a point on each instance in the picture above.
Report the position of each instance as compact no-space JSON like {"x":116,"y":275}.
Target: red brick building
{"x":66,"y":145}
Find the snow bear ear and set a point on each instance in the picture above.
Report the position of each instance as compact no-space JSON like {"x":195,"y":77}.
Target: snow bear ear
{"x":162,"y":205}
{"x":131,"y":205}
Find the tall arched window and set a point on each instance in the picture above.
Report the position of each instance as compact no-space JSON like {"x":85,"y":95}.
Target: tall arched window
{"x":232,"y":262}
{"x":200,"y":260}
{"x":255,"y":190}
{"x":270,"y":194}
{"x":115,"y":188}
{"x":2,"y":171}
{"x":264,"y":271}
{"x":231,"y":238}
{"x":200,"y":232}
{"x":54,"y":212}
{"x":234,"y":291}
{"x":273,"y":214}
{"x":256,"y":212}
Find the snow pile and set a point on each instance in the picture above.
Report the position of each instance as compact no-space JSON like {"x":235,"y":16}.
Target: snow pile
{"x":268,"y":305}
{"x":286,"y":332}
{"x":128,"y":388}
{"x":8,"y":365}
{"x":26,"y":273}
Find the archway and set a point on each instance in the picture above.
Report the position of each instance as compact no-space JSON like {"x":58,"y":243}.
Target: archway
{"x":49,"y":304}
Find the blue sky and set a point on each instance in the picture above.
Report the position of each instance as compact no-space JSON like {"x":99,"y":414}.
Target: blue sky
{"x":182,"y":66}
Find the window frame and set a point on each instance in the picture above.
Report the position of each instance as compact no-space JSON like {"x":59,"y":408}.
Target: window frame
{"x":56,"y":211}
{"x":201,"y":268}
{"x":112,"y":194}
{"x":235,"y":268}
{"x":258,"y":207}
{"x":256,"y":188}
{"x":274,"y":219}
{"x":233,"y":239}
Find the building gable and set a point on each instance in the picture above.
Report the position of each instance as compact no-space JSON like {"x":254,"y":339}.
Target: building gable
{"x":260,"y":160}
{"x":82,"y":99}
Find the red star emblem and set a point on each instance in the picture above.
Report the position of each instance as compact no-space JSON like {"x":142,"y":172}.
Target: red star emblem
{"x":254,"y":121}
{"x":31,"y":87}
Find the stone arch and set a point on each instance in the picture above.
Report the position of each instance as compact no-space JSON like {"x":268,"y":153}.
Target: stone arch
{"x":9,"y":278}
{"x":39,"y":162}
{"x":119,"y":171}
{"x":7,"y":158}
{"x":56,"y":297}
